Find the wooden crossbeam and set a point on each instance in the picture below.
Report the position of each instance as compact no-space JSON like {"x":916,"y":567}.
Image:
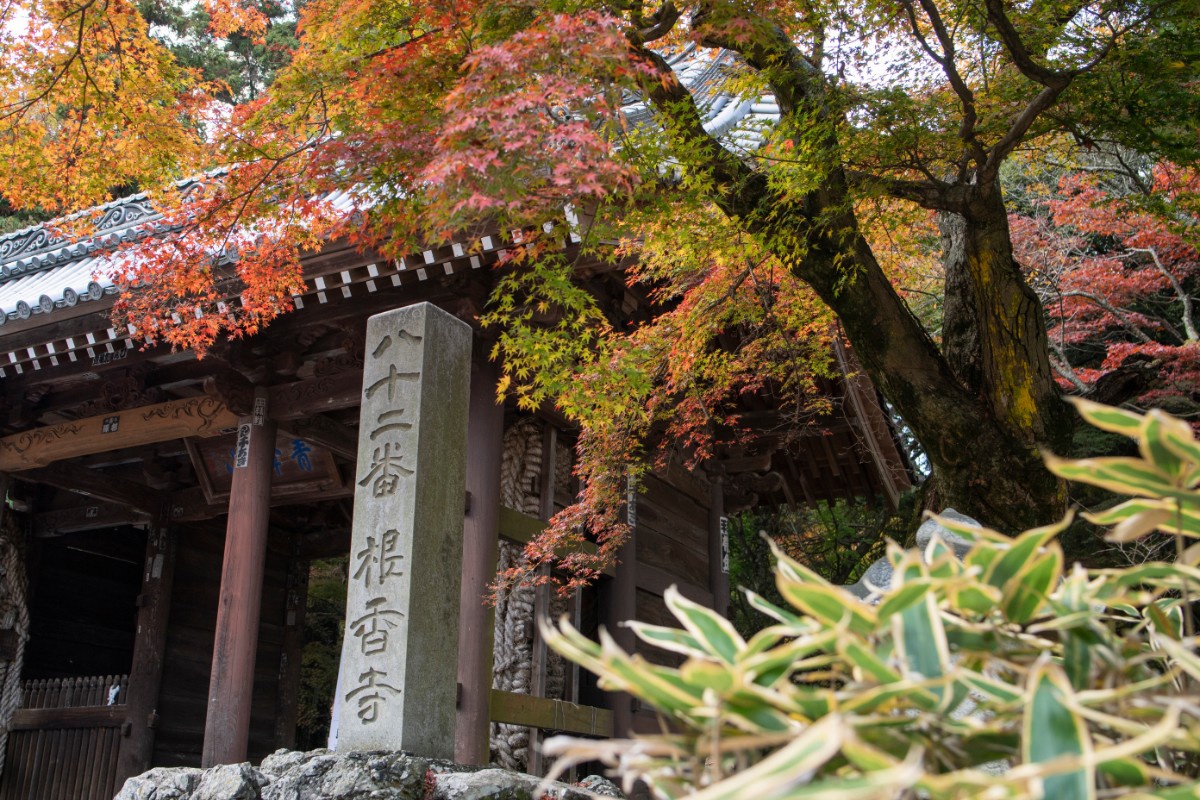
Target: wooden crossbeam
{"x":34,"y":719}
{"x":521,"y":528}
{"x":85,"y":518}
{"x":189,"y":505}
{"x":543,"y":712}
{"x":98,"y":485}
{"x":194,"y":416}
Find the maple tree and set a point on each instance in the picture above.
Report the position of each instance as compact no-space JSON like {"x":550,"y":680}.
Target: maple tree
{"x":456,"y":116}
{"x":1112,"y":252}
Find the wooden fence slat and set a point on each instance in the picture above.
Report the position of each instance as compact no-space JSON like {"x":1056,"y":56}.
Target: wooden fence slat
{"x":79,"y":742}
{"x":64,"y":739}
{"x":88,"y":755}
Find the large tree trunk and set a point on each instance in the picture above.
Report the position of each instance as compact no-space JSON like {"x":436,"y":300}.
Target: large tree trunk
{"x":984,"y":408}
{"x":982,"y":420}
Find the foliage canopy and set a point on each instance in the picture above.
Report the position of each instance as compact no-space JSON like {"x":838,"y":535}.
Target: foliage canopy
{"x":451,"y":117}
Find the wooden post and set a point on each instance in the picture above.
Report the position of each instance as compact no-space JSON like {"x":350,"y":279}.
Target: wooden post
{"x":292,"y":650}
{"x":227,"y":728}
{"x":620,"y":604}
{"x":541,"y":601}
{"x":149,"y":649}
{"x":481,"y":537}
{"x":718,"y":548}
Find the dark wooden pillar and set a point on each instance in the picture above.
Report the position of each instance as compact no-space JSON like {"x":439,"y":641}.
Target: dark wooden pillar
{"x":292,"y":650}
{"x":718,"y":548}
{"x":227,"y":728}
{"x":619,"y":603}
{"x":149,"y":650}
{"x":481,"y":533}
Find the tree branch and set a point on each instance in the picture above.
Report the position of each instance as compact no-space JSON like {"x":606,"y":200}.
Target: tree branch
{"x":792,"y":77}
{"x":1022,"y":58}
{"x":1121,"y":315}
{"x":673,"y":101}
{"x":1189,"y":319}
{"x":966,"y":130}
{"x":1021,"y":125}
{"x":932,"y":194}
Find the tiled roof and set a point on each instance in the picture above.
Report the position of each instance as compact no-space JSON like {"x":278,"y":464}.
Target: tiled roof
{"x":40,"y":273}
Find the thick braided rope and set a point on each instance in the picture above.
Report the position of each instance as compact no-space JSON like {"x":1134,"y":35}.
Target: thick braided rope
{"x":14,"y":615}
{"x":513,"y":650}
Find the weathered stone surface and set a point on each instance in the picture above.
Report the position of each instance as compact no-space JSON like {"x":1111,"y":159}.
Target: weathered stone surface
{"x":161,"y":784}
{"x":231,"y":782}
{"x":879,"y":575}
{"x":930,"y":527}
{"x":396,"y":690}
{"x":601,"y":786}
{"x":323,"y":775}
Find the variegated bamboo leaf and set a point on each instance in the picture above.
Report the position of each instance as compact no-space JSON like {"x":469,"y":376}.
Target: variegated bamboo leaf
{"x":761,"y":604}
{"x":786,"y":767}
{"x":1122,"y":475}
{"x":671,"y":639}
{"x":1026,"y":592}
{"x":1108,"y":418}
{"x":830,"y":605}
{"x":1153,"y":445}
{"x":1022,"y":551}
{"x":1052,"y":730}
{"x":712,"y":632}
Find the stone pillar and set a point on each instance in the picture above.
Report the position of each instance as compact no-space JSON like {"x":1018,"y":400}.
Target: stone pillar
{"x":400,"y":653}
{"x":227,"y":728}
{"x":481,"y":537}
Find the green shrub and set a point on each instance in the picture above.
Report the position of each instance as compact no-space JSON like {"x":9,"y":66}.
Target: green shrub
{"x":1000,"y":675}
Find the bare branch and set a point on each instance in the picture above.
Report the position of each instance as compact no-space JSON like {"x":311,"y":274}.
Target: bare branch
{"x":1063,"y":367}
{"x":1121,"y":315}
{"x":1189,"y":319}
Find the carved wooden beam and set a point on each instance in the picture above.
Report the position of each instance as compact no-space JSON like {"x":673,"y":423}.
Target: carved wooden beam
{"x":303,"y":398}
{"x":195,"y":416}
{"x":231,"y":388}
{"x":98,"y":485}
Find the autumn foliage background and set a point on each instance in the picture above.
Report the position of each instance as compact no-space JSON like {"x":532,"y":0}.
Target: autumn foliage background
{"x":992,"y":203}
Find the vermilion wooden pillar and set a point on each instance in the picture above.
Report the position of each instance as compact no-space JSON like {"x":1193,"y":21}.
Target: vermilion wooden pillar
{"x":481,"y":535}
{"x":227,"y":728}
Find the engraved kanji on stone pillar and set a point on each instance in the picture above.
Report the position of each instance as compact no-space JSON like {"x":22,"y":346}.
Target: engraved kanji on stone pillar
{"x":400,"y":651}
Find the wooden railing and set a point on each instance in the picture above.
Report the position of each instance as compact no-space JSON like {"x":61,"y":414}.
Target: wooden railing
{"x":64,"y":740}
